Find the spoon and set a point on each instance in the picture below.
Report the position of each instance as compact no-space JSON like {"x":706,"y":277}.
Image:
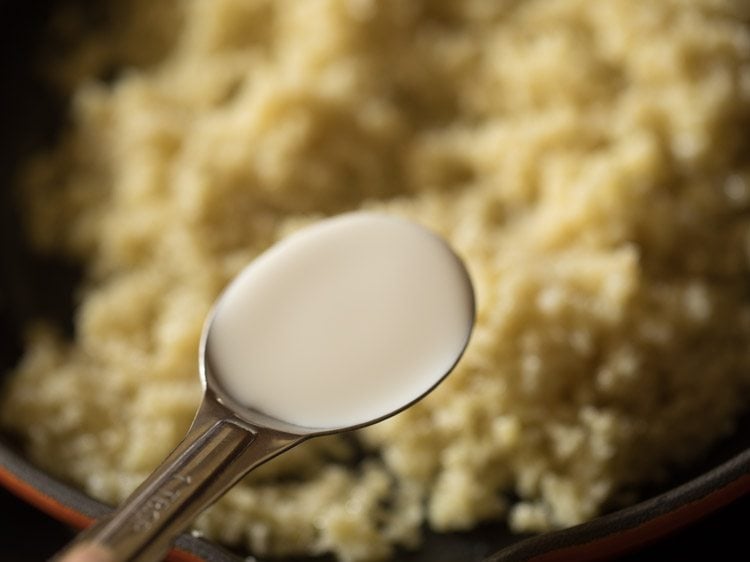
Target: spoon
{"x":341,"y":325}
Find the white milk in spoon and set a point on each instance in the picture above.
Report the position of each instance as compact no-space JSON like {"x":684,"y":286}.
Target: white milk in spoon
{"x":342,"y":323}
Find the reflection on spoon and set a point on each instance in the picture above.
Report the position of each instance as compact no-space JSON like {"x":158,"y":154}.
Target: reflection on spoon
{"x":339,"y":326}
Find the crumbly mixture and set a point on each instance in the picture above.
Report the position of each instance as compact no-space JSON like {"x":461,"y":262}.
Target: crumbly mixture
{"x":588,"y":159}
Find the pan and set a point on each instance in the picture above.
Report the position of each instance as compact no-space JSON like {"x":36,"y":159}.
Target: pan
{"x":31,"y":287}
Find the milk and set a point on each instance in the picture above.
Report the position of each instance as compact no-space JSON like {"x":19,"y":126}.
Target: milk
{"x":342,"y":323}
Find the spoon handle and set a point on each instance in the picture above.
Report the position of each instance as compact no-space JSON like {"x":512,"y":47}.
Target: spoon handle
{"x":216,"y":452}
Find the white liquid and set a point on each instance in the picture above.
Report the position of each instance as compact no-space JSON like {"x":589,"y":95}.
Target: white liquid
{"x":342,"y":323}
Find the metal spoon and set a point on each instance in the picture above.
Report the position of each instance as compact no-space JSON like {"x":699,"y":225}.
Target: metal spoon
{"x":372,"y":263}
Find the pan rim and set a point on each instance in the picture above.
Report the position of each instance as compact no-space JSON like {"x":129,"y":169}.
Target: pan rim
{"x":620,"y":532}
